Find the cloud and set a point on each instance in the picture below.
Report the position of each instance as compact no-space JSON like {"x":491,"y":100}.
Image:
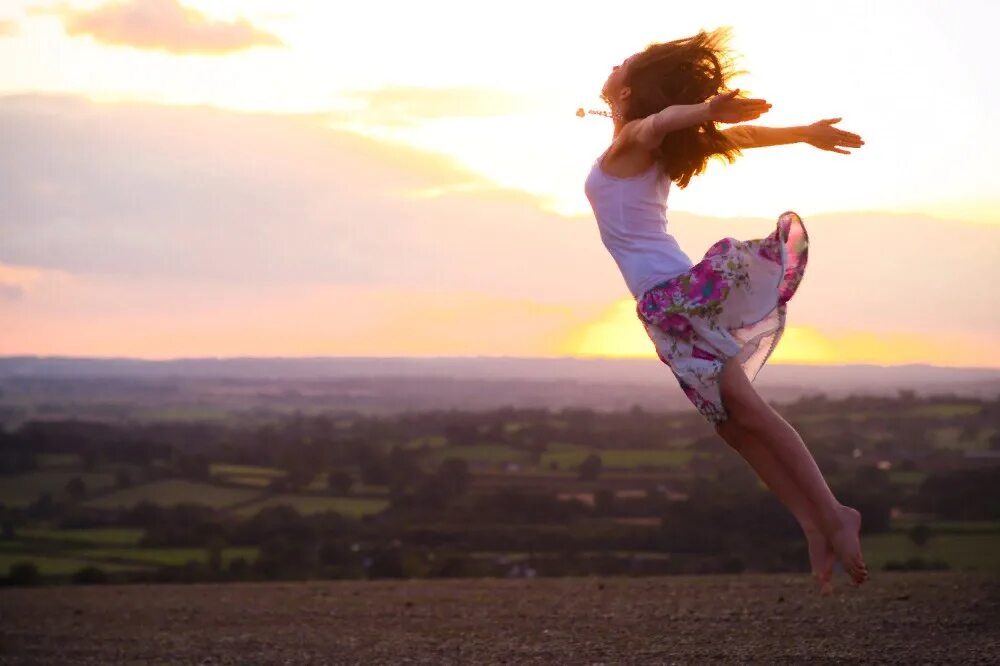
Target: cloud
{"x":139,"y":190}
{"x":15,"y":281}
{"x":164,"y":25}
{"x":220,"y":230}
{"x":405,"y":105}
{"x":8,"y":27}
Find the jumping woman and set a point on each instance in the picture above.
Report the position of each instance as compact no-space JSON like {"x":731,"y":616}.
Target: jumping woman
{"x":714,"y":323}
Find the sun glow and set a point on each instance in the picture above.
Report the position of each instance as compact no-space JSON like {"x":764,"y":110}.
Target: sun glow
{"x":491,"y":202}
{"x":618,"y":333}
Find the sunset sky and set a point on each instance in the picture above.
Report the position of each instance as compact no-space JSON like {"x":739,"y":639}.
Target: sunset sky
{"x":276,"y":178}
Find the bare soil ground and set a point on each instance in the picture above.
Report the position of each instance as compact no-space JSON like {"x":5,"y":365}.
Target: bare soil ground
{"x":905,"y":618}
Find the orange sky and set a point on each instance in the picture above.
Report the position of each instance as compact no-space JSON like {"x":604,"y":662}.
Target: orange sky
{"x":256,"y":178}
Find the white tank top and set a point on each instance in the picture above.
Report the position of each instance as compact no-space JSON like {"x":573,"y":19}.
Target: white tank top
{"x":631,"y":216}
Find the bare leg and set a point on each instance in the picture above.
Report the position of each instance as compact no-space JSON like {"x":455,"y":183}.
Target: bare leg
{"x":751,"y":415}
{"x":821,"y":555}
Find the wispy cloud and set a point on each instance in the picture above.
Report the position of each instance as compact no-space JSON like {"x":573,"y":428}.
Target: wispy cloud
{"x":15,"y":281}
{"x":164,"y":25}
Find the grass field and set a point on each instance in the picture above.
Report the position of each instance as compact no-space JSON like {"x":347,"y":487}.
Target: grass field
{"x":162,"y":557}
{"x":963,"y":526}
{"x":60,"y":566}
{"x":906,"y":477}
{"x":57,"y":459}
{"x":118,"y":536}
{"x":174,"y":491}
{"x":979,"y":552}
{"x":626,"y":458}
{"x":24,"y":489}
{"x":479,"y":453}
{"x":431,"y":442}
{"x":248,"y":481}
{"x":225,"y":469}
{"x":307,"y":504}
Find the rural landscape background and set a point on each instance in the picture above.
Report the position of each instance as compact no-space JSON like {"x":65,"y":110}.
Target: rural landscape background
{"x":310,"y":351}
{"x":371,"y":468}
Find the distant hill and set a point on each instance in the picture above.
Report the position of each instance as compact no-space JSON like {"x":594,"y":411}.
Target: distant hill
{"x":783,"y":378}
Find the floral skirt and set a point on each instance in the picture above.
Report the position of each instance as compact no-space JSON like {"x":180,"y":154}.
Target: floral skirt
{"x":731,"y":303}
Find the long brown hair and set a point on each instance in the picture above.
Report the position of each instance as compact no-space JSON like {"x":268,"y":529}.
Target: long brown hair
{"x":683,"y":71}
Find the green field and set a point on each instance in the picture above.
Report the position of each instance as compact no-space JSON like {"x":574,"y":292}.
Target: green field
{"x":24,"y":489}
{"x":627,"y":458}
{"x":225,"y":469}
{"x":174,"y":491}
{"x":162,"y":557}
{"x":906,"y":477}
{"x":961,"y":551}
{"x":307,"y":504}
{"x":943,"y":410}
{"x":479,"y":453}
{"x":319,"y":485}
{"x":118,"y":536}
{"x":60,"y":566}
{"x":948,"y":525}
{"x":431,"y":442}
{"x":249,"y":481}
{"x":58,"y":459}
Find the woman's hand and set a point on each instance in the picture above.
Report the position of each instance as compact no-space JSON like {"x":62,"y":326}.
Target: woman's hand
{"x":727,"y":108}
{"x":824,"y":136}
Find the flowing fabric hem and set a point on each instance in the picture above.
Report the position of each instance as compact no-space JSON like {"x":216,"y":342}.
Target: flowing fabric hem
{"x":793,"y":239}
{"x":755,"y":312}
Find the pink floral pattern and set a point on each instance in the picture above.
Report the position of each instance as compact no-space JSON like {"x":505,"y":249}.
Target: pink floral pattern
{"x":731,"y":303}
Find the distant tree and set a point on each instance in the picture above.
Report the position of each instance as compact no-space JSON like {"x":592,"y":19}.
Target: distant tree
{"x":872,"y":478}
{"x":919,"y":534}
{"x":590,"y":468}
{"x":300,"y":476}
{"x":238,"y":567}
{"x":604,"y":501}
{"x":339,"y":481}
{"x":193,"y":466}
{"x":386,"y":562}
{"x":453,"y":474}
{"x":374,"y":467}
{"x":90,"y":575}
{"x":43,"y":505}
{"x":123,"y":479}
{"x":279,"y":484}
{"x":461,"y":434}
{"x":76,"y":488}
{"x":90,"y":459}
{"x":23,"y":573}
{"x":214,"y":548}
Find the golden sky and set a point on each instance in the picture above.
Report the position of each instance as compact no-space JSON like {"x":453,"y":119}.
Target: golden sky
{"x":392,"y":178}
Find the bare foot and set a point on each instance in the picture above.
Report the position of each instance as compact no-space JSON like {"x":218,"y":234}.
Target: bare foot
{"x":846,"y":544}
{"x":821,"y":559}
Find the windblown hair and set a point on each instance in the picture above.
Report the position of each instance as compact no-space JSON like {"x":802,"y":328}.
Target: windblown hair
{"x":683,"y":71}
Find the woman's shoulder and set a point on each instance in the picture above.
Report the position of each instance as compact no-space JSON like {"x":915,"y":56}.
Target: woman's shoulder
{"x":625,"y":159}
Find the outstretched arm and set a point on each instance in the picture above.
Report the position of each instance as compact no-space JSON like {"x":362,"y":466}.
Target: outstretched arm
{"x":820,"y":134}
{"x":757,"y":136}
{"x":648,"y":132}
